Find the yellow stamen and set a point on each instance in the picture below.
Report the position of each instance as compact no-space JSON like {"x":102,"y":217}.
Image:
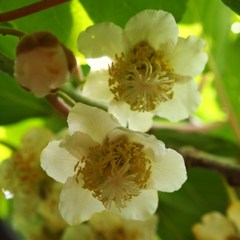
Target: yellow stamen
{"x":116,"y":171}
{"x":141,"y":78}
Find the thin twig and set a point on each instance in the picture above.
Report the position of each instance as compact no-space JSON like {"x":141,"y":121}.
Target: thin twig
{"x":231,"y":172}
{"x":79,"y":98}
{"x":66,"y":98}
{"x":58,"y":105}
{"x":12,"y":32}
{"x":8,"y":145}
{"x":6,"y":64}
{"x":29,"y":9}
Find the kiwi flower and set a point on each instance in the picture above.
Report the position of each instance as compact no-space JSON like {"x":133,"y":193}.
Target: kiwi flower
{"x":144,"y":69}
{"x":104,"y":166}
{"x":217,"y":226}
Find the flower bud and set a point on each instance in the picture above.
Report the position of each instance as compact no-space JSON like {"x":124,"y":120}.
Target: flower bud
{"x":42,"y":64}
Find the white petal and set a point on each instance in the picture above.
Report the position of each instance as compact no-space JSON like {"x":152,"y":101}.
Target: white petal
{"x":168,"y":172}
{"x":77,"y":205}
{"x":156,"y":27}
{"x":78,"y":144}
{"x":140,"y":208}
{"x":188,"y":58}
{"x":57,"y":162}
{"x":184,"y":103}
{"x":214,"y":226}
{"x":103,"y":39}
{"x":92,"y":121}
{"x":96,"y":87}
{"x":137,"y":121}
{"x":101,"y":63}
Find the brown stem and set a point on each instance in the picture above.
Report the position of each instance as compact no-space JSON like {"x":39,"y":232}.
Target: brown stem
{"x":12,"y":32}
{"x":58,"y":104}
{"x":230,"y":171}
{"x":29,"y":9}
{"x":6,"y":64}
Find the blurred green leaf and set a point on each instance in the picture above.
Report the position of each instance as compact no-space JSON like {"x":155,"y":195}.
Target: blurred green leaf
{"x":7,"y":45}
{"x":230,"y":75}
{"x":223,"y":48}
{"x":121,"y":11}
{"x":16,"y":104}
{"x":233,"y":4}
{"x":204,"y":191}
{"x":215,"y":19}
{"x":13,"y":133}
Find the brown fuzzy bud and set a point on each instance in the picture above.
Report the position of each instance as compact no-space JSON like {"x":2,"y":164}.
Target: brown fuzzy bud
{"x":42,"y":63}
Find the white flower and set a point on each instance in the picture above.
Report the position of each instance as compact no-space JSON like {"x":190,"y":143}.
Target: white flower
{"x":216,"y":226}
{"x":148,"y":69}
{"x":104,"y":166}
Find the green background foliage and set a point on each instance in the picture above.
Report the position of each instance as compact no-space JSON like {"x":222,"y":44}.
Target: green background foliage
{"x":120,"y":11}
{"x":178,"y":211}
{"x":205,"y":189}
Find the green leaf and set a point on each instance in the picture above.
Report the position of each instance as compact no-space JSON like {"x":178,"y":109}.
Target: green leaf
{"x":13,"y":133}
{"x":204,"y":191}
{"x":120,"y":11}
{"x":16,"y":104}
{"x":7,"y":45}
{"x":233,"y":4}
{"x":223,"y":49}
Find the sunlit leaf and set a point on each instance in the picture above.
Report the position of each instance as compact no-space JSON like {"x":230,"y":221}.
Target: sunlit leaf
{"x":223,"y":49}
{"x":120,"y":11}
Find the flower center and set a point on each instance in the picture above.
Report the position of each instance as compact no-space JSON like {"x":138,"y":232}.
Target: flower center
{"x":141,"y":78}
{"x":116,"y":171}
